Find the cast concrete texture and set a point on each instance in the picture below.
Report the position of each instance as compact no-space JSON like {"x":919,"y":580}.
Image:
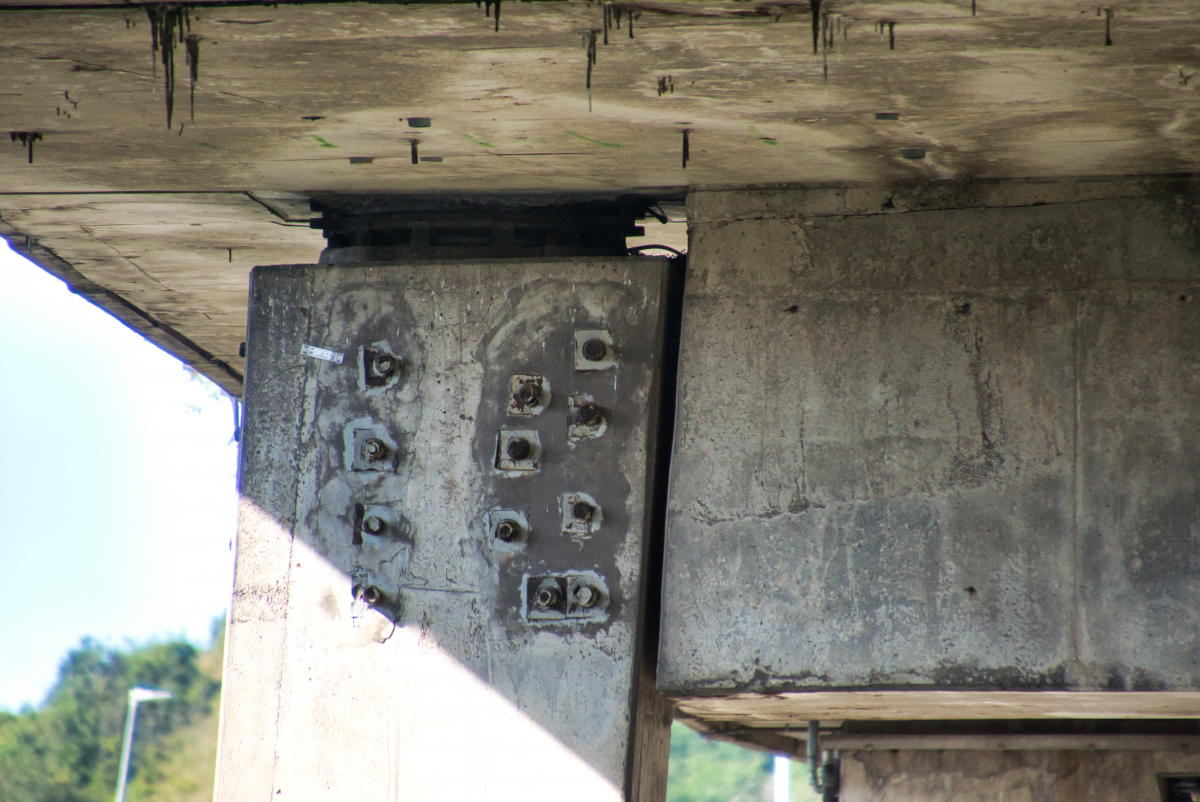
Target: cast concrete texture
{"x":172,"y":266}
{"x":1013,"y":776}
{"x":287,"y":95}
{"x":445,"y":688}
{"x":936,"y":449}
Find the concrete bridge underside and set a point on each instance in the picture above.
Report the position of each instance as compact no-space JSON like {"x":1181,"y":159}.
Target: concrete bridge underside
{"x":907,"y":447}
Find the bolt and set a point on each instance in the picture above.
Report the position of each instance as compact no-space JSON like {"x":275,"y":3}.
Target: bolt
{"x":529,"y":395}
{"x":373,"y":525}
{"x":385,"y":364}
{"x":594,"y":350}
{"x":519,"y":449}
{"x":586,"y":596}
{"x":548,"y":595}
{"x":588,"y":414}
{"x":371,"y":595}
{"x":374,"y":449}
{"x":582,"y":511}
{"x":508,"y":531}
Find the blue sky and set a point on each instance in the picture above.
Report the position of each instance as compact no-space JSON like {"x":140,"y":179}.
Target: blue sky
{"x":117,"y":485}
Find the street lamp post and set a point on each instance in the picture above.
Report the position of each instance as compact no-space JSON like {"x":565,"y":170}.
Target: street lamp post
{"x":782,"y":785}
{"x":135,"y":695}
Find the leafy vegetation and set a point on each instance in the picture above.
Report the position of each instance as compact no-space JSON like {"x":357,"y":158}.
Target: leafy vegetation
{"x":69,"y":749}
{"x":712,"y":771}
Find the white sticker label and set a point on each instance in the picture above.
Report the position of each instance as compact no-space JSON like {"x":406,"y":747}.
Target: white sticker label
{"x":322,"y":353}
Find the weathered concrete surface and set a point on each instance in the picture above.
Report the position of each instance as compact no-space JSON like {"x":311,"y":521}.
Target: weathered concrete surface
{"x":938,"y":449}
{"x":445,"y":687}
{"x":298,"y":99}
{"x":286,"y":95}
{"x":172,"y":266}
{"x":1011,"y":776}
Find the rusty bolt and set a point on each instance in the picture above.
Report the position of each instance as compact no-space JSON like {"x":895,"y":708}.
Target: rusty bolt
{"x":384,"y":364}
{"x":374,"y":449}
{"x":373,"y":525}
{"x":529,"y":395}
{"x":548,"y":595}
{"x":519,"y":449}
{"x":588,"y":414}
{"x":594,"y":350}
{"x":582,"y":511}
{"x":586,"y":596}
{"x":371,"y":595}
{"x":507,"y":531}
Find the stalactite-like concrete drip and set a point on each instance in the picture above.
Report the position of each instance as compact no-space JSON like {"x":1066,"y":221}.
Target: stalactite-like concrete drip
{"x":826,"y":43}
{"x":192,"y":44}
{"x":26,"y":138}
{"x":487,"y":11}
{"x":591,"y":61}
{"x":816,"y":25}
{"x":171,"y":25}
{"x":891,"y":29}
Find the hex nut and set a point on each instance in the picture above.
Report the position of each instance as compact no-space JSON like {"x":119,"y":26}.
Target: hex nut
{"x":371,"y":595}
{"x":548,"y":595}
{"x":374,"y":525}
{"x":583,"y":511}
{"x":588,"y":414}
{"x":385,"y":364}
{"x":586,"y":596}
{"x":594,"y":350}
{"x":508,"y":531}
{"x":519,"y":449}
{"x":529,"y":395}
{"x":374,"y":449}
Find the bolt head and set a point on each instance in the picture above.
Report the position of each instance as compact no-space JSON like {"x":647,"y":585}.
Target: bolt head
{"x":547,"y":596}
{"x":582,"y":511}
{"x":507,"y":531}
{"x":373,"y":524}
{"x":371,"y":595}
{"x":519,"y":449}
{"x":529,"y":395}
{"x":385,"y":364}
{"x":586,"y":596}
{"x":588,"y":414}
{"x":374,"y":449}
{"x":594,"y":350}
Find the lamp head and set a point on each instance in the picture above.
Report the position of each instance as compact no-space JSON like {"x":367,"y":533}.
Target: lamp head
{"x":140,"y":694}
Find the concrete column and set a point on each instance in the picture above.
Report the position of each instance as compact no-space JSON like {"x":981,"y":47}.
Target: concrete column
{"x":935,"y":459}
{"x":447,"y":484}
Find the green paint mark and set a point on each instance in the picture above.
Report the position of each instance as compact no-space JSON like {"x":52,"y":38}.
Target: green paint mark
{"x":766,"y":139}
{"x":479,"y":141}
{"x":324,"y":143}
{"x":593,"y":141}
{"x":206,"y":145}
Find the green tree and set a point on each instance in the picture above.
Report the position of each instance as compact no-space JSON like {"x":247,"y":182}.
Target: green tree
{"x":69,"y":749}
{"x":713,"y":771}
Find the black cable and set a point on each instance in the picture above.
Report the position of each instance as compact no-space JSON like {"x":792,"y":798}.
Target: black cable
{"x":638,"y":248}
